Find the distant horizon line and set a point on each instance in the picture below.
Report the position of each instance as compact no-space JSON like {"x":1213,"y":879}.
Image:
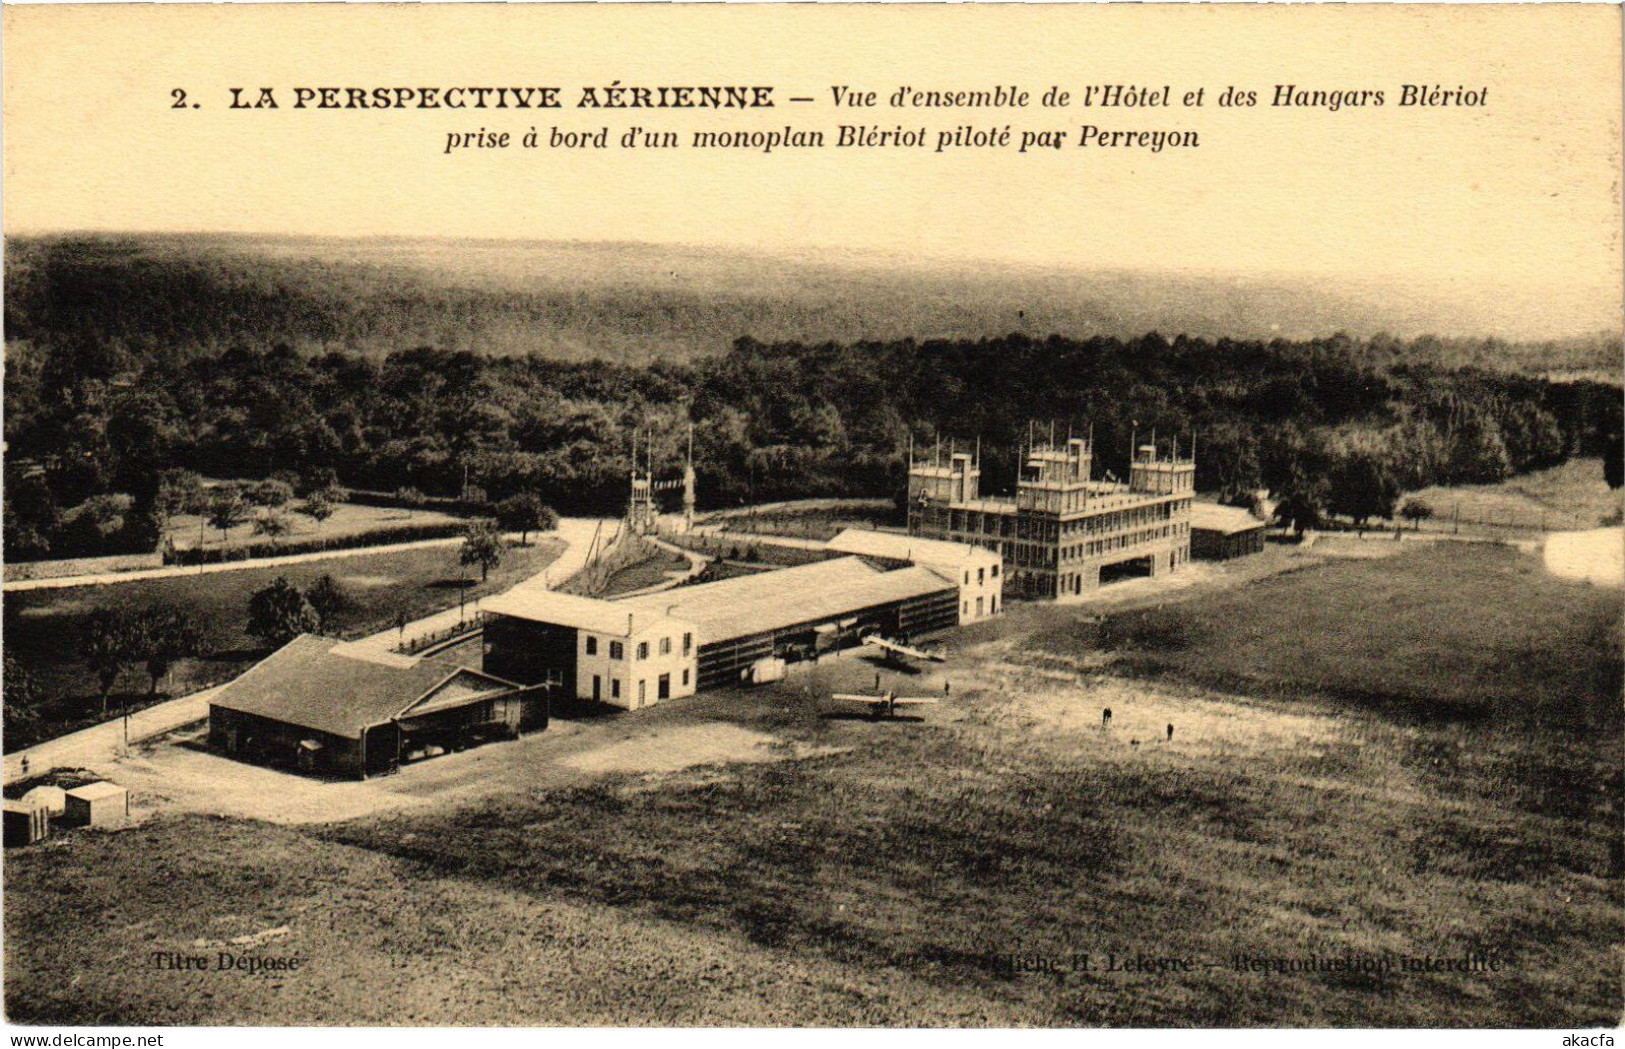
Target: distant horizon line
{"x":890,"y":254}
{"x":1432,"y":291}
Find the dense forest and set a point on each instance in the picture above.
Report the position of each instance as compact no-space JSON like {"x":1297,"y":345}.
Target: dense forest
{"x":1340,"y":422}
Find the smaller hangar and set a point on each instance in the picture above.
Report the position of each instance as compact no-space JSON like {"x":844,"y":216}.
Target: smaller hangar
{"x":319,"y":709}
{"x":976,"y":570}
{"x":1219,"y":533}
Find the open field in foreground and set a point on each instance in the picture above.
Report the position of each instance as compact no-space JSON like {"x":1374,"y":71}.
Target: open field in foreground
{"x":750,"y":857}
{"x":44,"y":628}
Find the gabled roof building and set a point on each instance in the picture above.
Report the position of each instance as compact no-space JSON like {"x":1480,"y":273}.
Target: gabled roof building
{"x":311,"y":705}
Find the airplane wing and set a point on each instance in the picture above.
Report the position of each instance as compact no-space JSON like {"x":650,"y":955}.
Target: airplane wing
{"x":903,"y":650}
{"x":913,"y":701}
{"x":851,"y":697}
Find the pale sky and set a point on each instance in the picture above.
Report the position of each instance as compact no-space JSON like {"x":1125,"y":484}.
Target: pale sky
{"x":1522,"y":193}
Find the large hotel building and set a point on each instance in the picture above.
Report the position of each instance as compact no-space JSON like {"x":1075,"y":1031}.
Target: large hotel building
{"x":1063,"y":529}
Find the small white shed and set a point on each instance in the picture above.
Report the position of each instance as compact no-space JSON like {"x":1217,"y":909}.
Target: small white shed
{"x":54,"y":800}
{"x":97,"y":805}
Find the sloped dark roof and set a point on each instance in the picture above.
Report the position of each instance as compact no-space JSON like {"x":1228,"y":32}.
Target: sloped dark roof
{"x":1211,"y":517}
{"x":306,"y":683}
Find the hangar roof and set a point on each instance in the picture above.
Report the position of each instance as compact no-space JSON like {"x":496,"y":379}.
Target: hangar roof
{"x":1211,"y":517}
{"x":931,"y":552}
{"x":306,"y":683}
{"x":541,"y":605}
{"x":821,"y":591}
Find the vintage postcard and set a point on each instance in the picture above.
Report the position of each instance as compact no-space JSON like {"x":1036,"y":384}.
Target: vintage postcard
{"x":998,"y":516}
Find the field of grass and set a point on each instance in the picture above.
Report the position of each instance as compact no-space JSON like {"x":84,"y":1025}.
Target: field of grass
{"x":1568,"y":497}
{"x":896,"y":872}
{"x":349,"y":519}
{"x":1436,"y":632}
{"x":44,"y":628}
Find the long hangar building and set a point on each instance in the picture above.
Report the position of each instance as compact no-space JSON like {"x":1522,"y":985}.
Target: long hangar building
{"x":638,"y":651}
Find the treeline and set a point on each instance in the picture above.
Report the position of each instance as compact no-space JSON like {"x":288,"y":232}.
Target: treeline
{"x":94,"y":419}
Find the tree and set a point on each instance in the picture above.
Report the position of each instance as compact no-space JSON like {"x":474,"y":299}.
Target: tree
{"x":1478,"y":454}
{"x":226,"y":511}
{"x":525,"y":513}
{"x":162,"y":636}
{"x":180,"y":492}
{"x":1362,"y":487}
{"x":109,"y":647}
{"x":98,"y":518}
{"x":272,"y":492}
{"x":482,"y":545}
{"x":21,"y":694}
{"x":1301,"y":503}
{"x":1416,"y":511}
{"x":328,"y":599}
{"x":273,"y":523}
{"x":320,"y":479}
{"x":32,"y":518}
{"x":279,"y":613}
{"x":318,"y":507}
{"x":410,"y":498}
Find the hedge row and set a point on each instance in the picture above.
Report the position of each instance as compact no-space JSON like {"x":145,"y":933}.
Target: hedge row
{"x":392,"y":501}
{"x":319,"y":544}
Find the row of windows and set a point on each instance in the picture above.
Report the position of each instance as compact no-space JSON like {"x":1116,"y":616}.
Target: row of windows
{"x":1120,"y":542}
{"x":643,"y":686}
{"x":982,"y":575}
{"x":617,"y":649}
{"x":1141,"y":515}
{"x":992,"y":606}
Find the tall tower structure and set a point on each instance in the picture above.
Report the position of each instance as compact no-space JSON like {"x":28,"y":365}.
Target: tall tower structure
{"x":642,"y":515}
{"x":688,"y":484}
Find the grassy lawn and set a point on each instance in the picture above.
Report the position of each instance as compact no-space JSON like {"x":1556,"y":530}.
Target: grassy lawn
{"x":890,"y":873}
{"x":645,"y":573}
{"x":1567,"y":497}
{"x":44,"y":628}
{"x":813,"y":524}
{"x":1436,"y":631}
{"x":349,"y":519}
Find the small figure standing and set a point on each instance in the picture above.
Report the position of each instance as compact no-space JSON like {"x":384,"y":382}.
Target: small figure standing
{"x":1106,"y":718}
{"x":877,"y":681}
{"x":947,"y":688}
{"x":1170,"y":732}
{"x":25,"y":765}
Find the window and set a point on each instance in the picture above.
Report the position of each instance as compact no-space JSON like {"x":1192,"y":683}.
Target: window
{"x":665,"y":646}
{"x":685,"y":677}
{"x":643,"y":692}
{"x":592,"y":645}
{"x":981,"y":576}
{"x":643,"y":650}
{"x":614,"y":682}
{"x":995,"y":571}
{"x":688,"y":646}
{"x":617,"y":650}
{"x":967,"y":577}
